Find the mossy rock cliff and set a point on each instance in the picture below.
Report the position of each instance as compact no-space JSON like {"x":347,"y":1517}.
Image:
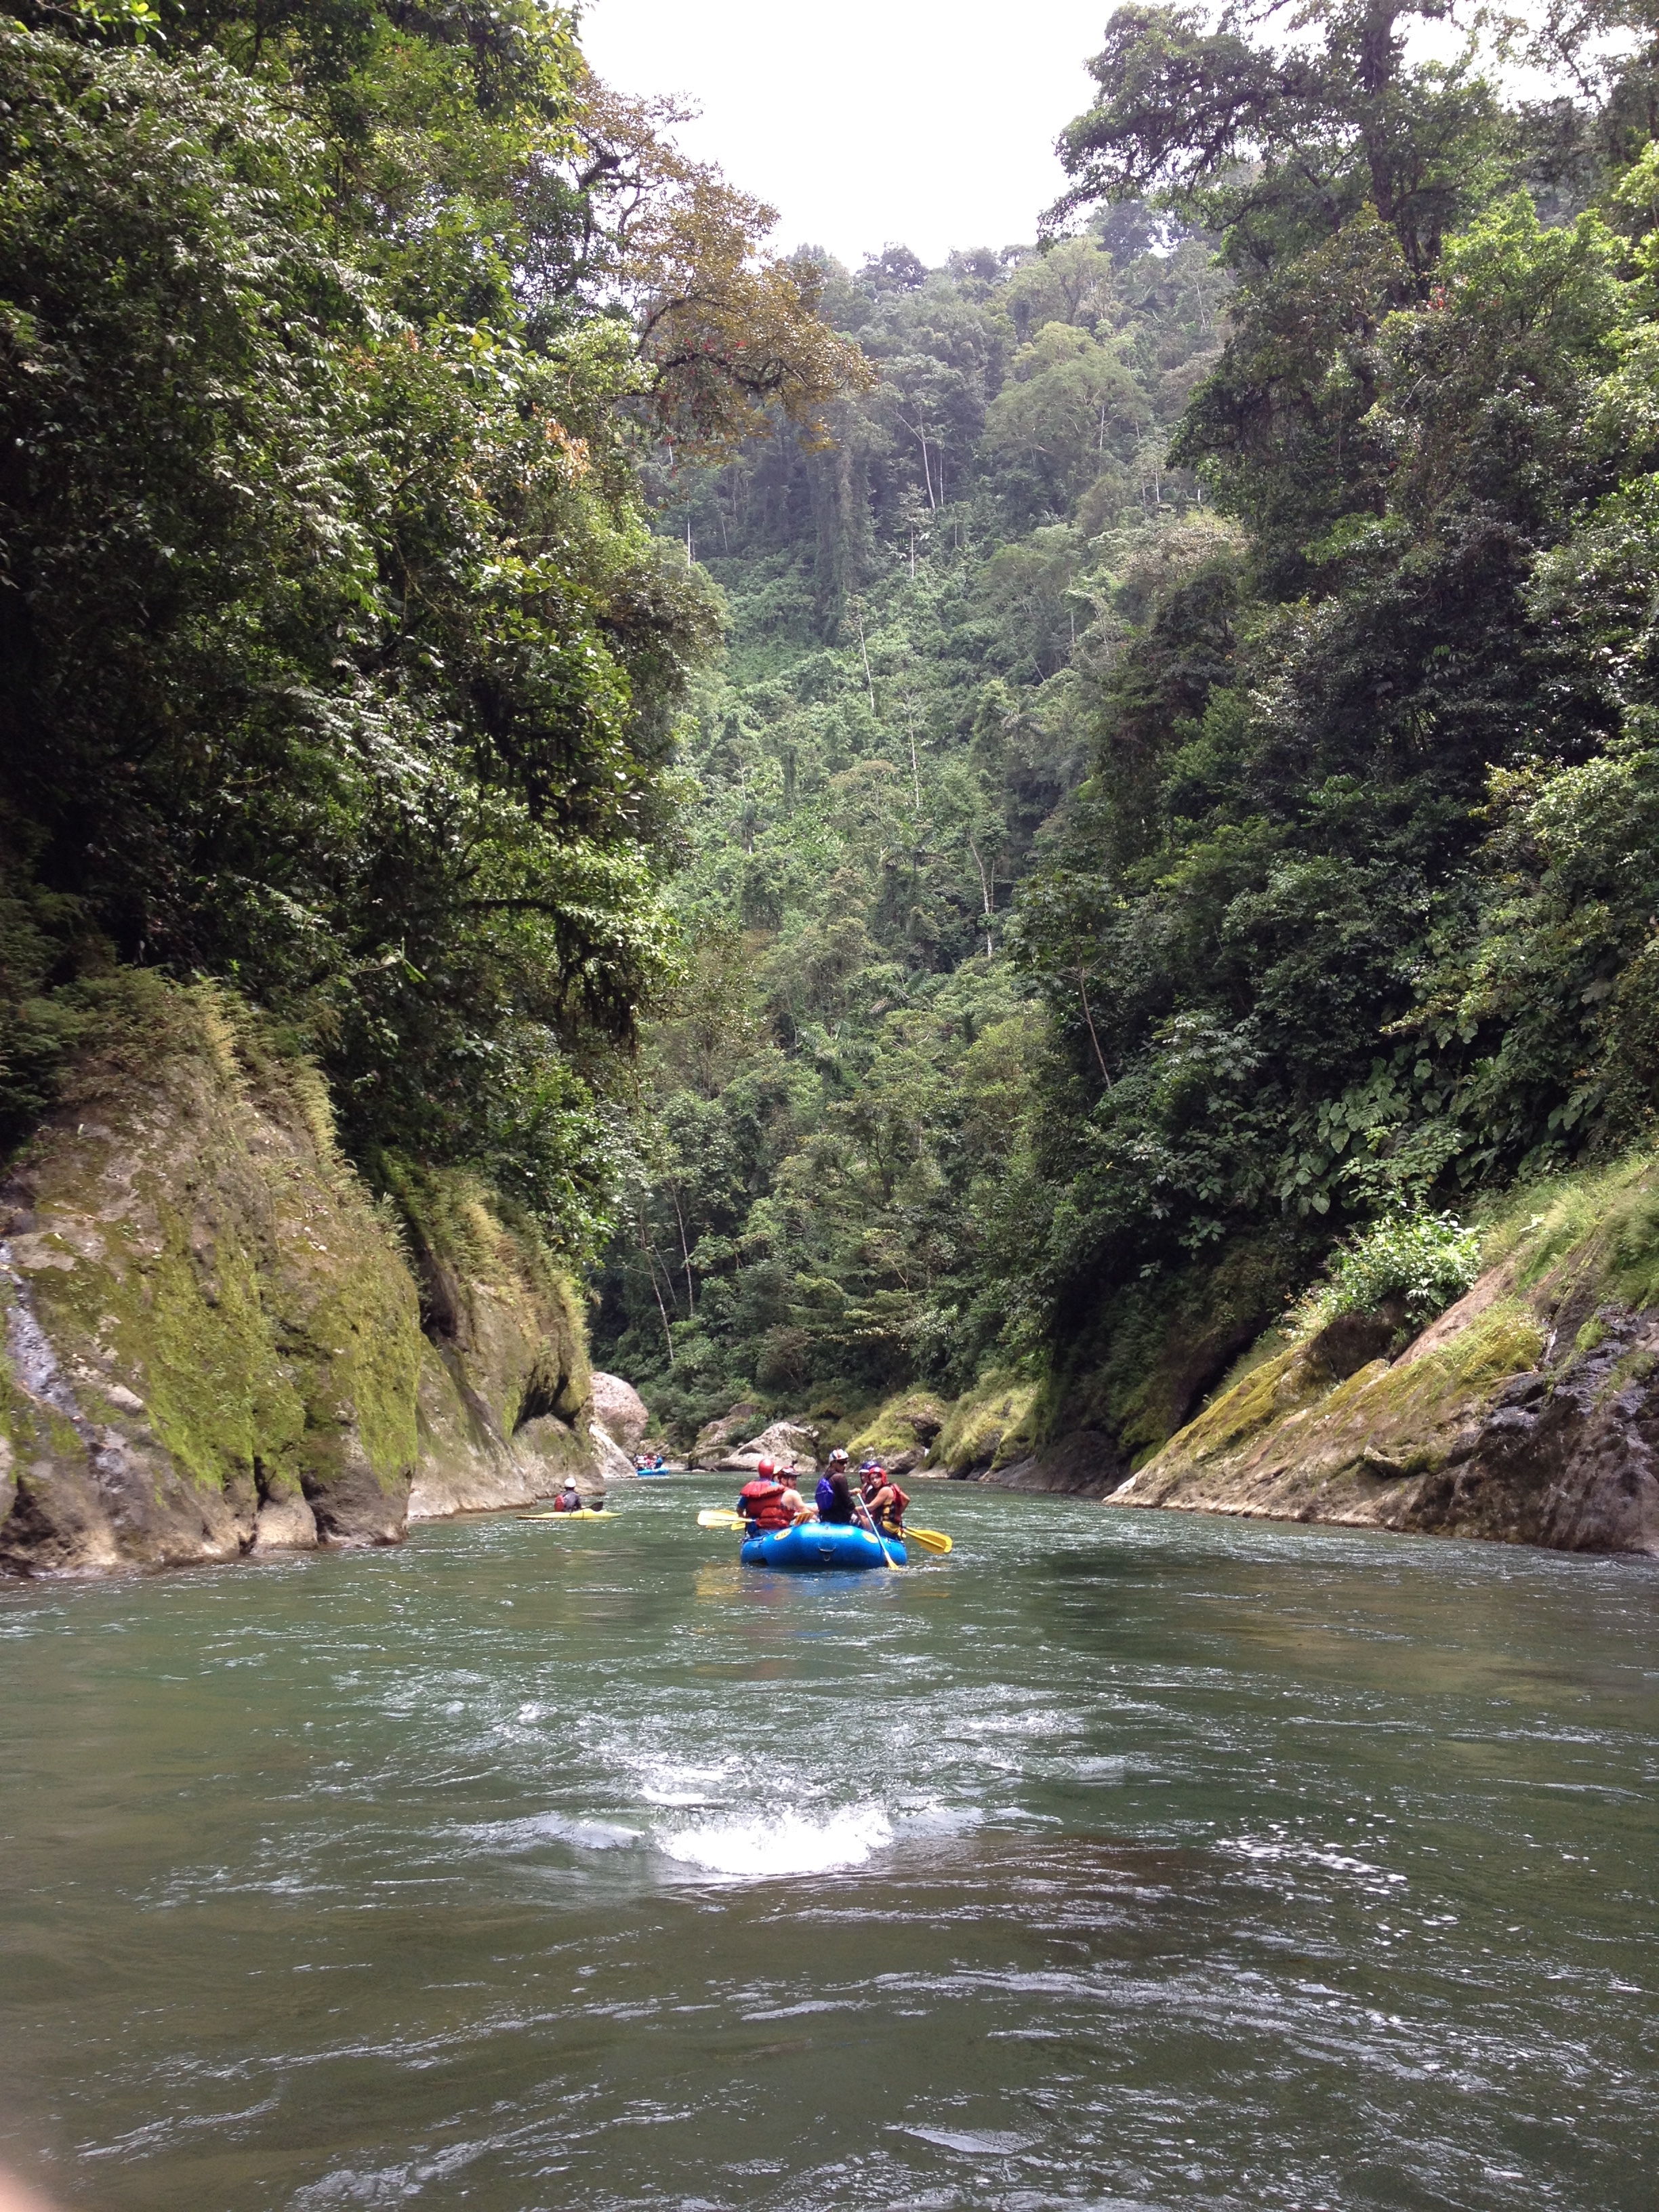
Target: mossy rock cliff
{"x":1528,"y":1413}
{"x":506,"y":1398}
{"x":1137,"y":1361}
{"x":215,"y":1332}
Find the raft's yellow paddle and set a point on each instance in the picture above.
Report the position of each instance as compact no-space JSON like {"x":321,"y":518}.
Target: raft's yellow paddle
{"x":929,"y":1538}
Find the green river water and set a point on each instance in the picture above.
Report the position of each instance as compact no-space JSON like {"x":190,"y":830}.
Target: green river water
{"x":1120,"y":1860}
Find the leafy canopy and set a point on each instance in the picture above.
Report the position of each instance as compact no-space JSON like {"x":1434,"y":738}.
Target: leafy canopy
{"x":337,"y":656}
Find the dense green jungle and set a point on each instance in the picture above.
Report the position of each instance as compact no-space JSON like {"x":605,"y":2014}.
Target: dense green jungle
{"x":1174,"y":823}
{"x":977,"y":831}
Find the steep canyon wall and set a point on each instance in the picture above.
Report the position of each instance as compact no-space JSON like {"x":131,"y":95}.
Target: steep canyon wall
{"x":219,"y":1343}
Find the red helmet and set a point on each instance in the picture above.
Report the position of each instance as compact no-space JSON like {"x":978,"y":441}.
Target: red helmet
{"x":766,"y":1466}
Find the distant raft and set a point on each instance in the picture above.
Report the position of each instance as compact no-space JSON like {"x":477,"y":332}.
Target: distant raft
{"x":818,"y":1548}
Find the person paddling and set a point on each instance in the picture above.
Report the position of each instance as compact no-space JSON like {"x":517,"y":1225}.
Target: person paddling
{"x":886,"y":1502}
{"x":768,"y":1503}
{"x":835,"y":1493}
{"x":569,"y":1500}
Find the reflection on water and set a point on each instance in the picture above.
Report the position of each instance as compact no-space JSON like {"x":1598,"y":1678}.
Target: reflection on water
{"x":1118,"y":1860}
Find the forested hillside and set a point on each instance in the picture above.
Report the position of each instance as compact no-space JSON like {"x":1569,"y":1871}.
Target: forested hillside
{"x":1180,"y":792}
{"x":838,"y":1178}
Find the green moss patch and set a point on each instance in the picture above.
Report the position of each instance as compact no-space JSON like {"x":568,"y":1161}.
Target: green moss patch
{"x":201,"y":1247}
{"x":990,"y":1425}
{"x":910,"y":1419}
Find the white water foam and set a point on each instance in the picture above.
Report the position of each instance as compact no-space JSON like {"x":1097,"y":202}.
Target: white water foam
{"x":978,"y":2142}
{"x":554,"y":1828}
{"x":780,"y":1843}
{"x":1281,"y":1850}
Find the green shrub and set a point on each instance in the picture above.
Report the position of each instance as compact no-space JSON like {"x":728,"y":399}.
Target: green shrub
{"x":1421,"y":1262}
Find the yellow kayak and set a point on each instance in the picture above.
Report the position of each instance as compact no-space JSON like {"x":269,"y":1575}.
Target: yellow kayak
{"x":582,"y":1513}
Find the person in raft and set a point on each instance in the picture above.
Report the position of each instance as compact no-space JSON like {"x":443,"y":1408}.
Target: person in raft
{"x":835,"y":1496}
{"x":883,"y":1497}
{"x":769,"y":1501}
{"x":570,"y":1499}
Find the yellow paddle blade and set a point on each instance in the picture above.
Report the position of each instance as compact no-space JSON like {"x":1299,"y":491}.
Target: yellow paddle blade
{"x":929,"y":1538}
{"x":721,"y":1516}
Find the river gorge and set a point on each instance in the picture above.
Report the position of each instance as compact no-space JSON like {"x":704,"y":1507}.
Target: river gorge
{"x":1120,"y":1859}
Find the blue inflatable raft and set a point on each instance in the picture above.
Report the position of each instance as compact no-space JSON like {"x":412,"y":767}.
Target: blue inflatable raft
{"x":815,"y":1547}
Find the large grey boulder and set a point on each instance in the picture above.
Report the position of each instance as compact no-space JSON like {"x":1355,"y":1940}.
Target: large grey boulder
{"x":613,"y":1463}
{"x":718,"y":1440}
{"x":789,"y":1443}
{"x":285,"y":1524}
{"x":620,"y":1411}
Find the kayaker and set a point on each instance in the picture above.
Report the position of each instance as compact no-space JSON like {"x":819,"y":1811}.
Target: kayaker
{"x":883,"y":1500}
{"x":569,"y":1500}
{"x":834,"y":1493}
{"x":766,"y":1503}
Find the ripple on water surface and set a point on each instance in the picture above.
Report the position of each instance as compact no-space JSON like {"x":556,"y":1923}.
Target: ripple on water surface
{"x":1118,"y":1860}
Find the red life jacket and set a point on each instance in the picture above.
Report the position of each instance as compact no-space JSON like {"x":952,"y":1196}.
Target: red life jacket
{"x":894,"y":1511}
{"x":761,"y":1500}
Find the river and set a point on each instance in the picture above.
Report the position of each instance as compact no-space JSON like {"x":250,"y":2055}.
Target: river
{"x":1120,"y":1860}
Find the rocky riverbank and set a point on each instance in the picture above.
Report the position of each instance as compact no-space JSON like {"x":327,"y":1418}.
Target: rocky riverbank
{"x":1529,"y":1412}
{"x":220,"y":1344}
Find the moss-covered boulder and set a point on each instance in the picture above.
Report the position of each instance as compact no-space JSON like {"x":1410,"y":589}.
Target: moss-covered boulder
{"x":208,"y":1325}
{"x":1528,"y":1413}
{"x":989,"y":1428}
{"x":902,"y":1432}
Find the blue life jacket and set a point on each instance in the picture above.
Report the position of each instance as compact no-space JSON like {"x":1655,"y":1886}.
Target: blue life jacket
{"x":834,"y":1505}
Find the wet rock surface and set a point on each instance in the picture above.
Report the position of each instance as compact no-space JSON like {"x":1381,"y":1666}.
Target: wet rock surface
{"x":285,"y":1524}
{"x":1085,"y":1464}
{"x":504,"y":1405}
{"x":204,"y":1315}
{"x":610,"y":1463}
{"x":1565,"y":1459}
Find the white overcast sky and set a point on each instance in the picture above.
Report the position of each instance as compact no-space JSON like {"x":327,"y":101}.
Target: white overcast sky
{"x":926,"y":123}
{"x":929,"y":124}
